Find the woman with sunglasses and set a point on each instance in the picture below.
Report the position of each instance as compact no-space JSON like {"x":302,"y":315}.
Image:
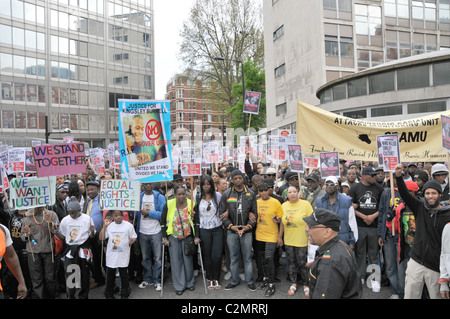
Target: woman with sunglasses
{"x":208,"y":230}
{"x":293,"y":235}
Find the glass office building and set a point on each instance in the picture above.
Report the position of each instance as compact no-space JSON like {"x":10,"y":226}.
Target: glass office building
{"x":70,"y":61}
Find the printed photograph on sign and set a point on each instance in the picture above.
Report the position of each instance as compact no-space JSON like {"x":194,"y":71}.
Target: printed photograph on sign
{"x":295,"y":158}
{"x":445,"y":121}
{"x":388,"y":151}
{"x":329,"y":164}
{"x":252,"y":101}
{"x":145,"y":140}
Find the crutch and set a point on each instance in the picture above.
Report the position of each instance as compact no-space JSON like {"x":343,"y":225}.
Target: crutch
{"x":203,"y":269}
{"x":162,"y":272}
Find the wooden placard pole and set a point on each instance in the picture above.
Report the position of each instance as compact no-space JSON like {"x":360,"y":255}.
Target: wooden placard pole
{"x":391,"y":177}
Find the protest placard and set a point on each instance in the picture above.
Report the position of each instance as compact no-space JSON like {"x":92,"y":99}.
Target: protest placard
{"x":30,"y":192}
{"x":29,"y":161}
{"x":445,"y":121}
{"x":210,"y":151}
{"x":116,"y":194}
{"x":59,"y":159}
{"x":191,"y":161}
{"x":252,"y":102}
{"x":388,"y":151}
{"x":16,"y":160}
{"x":145,"y":140}
{"x":295,"y":158}
{"x":329,"y":164}
{"x":97,"y":160}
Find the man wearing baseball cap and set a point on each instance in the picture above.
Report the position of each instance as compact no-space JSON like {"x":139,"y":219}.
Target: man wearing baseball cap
{"x":431,"y":217}
{"x":366,"y":197}
{"x":334,"y":273}
{"x":339,"y":204}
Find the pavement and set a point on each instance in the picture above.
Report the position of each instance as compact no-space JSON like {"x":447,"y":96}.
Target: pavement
{"x":241,"y":292}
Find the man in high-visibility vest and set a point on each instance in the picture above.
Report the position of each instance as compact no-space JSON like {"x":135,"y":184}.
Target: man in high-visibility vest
{"x":12,"y":262}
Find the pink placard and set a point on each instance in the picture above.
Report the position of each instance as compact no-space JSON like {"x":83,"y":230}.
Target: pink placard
{"x":59,"y":159}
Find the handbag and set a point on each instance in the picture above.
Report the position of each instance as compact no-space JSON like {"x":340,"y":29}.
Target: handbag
{"x":189,"y":245}
{"x":59,"y":244}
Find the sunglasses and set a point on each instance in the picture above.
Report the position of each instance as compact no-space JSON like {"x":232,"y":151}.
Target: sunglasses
{"x":271,"y":175}
{"x":209,"y":207}
{"x":330,"y":184}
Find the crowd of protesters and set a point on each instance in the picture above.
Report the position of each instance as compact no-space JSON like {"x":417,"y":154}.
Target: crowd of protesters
{"x":354,"y":222}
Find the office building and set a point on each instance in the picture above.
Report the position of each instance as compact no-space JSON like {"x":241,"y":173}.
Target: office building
{"x":310,"y":44}
{"x":70,"y":61}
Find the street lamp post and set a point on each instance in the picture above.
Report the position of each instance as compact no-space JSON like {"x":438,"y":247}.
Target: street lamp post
{"x":47,"y":133}
{"x":243,"y":85}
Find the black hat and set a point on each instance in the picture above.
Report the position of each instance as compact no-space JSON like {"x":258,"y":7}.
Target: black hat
{"x":419,"y":174}
{"x":236,"y":172}
{"x":95,"y":183}
{"x":325,"y":217}
{"x":369,"y":170}
{"x":432,"y":184}
{"x":289,"y":174}
{"x":270,"y":182}
{"x":229,"y":169}
{"x":177,"y":177}
{"x":313,"y":176}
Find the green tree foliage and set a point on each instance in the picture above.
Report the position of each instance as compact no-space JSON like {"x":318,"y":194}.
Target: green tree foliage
{"x":254,"y":81}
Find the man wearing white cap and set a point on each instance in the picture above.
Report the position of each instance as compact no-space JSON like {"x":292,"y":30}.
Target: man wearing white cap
{"x":340,"y":204}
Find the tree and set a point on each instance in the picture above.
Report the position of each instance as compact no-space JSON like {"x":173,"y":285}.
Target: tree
{"x":254,"y":81}
{"x":230,"y":29}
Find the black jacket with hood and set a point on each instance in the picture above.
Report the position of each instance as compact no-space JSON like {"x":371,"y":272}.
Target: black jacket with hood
{"x":430,"y":223}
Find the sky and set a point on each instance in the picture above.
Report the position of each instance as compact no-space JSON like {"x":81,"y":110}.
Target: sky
{"x":169,"y":16}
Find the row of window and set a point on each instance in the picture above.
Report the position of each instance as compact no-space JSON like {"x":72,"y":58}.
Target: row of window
{"x":23,"y":11}
{"x":391,"y":110}
{"x":401,"y":79}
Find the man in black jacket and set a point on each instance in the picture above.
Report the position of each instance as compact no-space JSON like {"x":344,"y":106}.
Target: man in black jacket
{"x":240,"y":202}
{"x":431,"y":216}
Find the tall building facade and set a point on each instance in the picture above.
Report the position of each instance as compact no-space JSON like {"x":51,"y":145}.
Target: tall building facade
{"x":311,"y":43}
{"x":70,"y":61}
{"x":196,"y":116}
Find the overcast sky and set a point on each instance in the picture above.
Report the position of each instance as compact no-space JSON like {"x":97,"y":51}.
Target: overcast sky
{"x":169,"y":16}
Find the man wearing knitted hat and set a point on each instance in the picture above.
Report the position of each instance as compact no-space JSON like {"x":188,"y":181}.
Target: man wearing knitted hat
{"x":77,"y":229}
{"x":431,"y":217}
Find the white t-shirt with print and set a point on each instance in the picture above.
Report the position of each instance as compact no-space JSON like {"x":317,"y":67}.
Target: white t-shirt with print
{"x":76,"y":231}
{"x":149,"y":226}
{"x":118,"y":248}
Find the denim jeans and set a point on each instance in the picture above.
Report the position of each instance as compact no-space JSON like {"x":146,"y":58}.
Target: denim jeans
{"x":393,"y":269}
{"x":237,"y":245}
{"x":181,"y":266}
{"x":212,"y":248}
{"x":151,"y":249}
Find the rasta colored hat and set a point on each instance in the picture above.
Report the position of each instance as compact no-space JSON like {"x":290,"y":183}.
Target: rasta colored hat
{"x":324,"y":217}
{"x":73,"y":205}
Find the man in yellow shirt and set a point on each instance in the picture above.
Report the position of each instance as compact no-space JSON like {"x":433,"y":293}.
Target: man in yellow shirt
{"x":266,"y":235}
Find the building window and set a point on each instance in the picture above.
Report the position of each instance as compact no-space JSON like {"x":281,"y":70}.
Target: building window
{"x":425,"y":107}
{"x":386,"y":111}
{"x":413,"y":77}
{"x":359,"y":114}
{"x":340,"y":92}
{"x":396,"y":8}
{"x":278,"y":33}
{"x":441,"y":73}
{"x":444,"y":11}
{"x":383,"y":82}
{"x":424,"y":10}
{"x":368,"y":59}
{"x":280,"y":70}
{"x":281,"y":109}
{"x":357,"y":87}
{"x":368,"y":23}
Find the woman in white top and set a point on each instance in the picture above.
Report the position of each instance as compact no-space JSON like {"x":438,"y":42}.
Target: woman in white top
{"x":208,"y":230}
